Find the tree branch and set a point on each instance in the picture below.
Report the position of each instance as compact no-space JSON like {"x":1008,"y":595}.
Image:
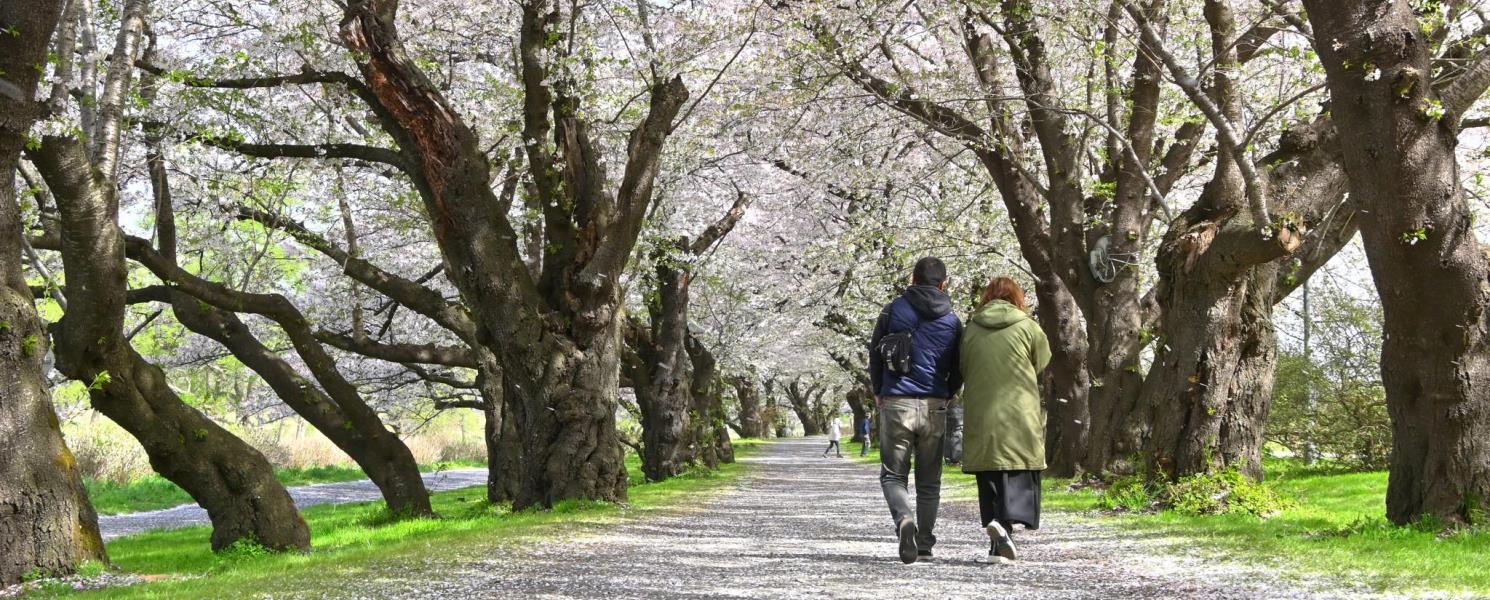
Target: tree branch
{"x":430,"y":354}
{"x":371,"y":154}
{"x":1462,"y":91}
{"x":1225,"y":129}
{"x":717,"y":230}
{"x":414,"y":295}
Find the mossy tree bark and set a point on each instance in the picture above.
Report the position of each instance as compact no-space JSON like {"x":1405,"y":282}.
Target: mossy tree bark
{"x":555,"y":332}
{"x":1398,"y":113}
{"x":47,"y":524}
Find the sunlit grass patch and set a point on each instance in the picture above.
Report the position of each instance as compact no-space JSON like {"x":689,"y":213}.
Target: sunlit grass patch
{"x":1334,"y":525}
{"x":154,"y":492}
{"x":353,"y":539}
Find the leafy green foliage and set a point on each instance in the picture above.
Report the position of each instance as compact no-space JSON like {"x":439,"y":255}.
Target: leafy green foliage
{"x":243,"y":550}
{"x":1226,"y":492}
{"x":1332,"y":402}
{"x":1221,"y":493}
{"x":1335,"y":524}
{"x":1127,"y":494}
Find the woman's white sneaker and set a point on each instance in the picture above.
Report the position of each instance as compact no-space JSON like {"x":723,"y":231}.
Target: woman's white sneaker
{"x":1002,"y":544}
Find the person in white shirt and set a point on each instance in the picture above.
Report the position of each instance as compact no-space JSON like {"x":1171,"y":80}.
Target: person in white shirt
{"x":833,"y":437}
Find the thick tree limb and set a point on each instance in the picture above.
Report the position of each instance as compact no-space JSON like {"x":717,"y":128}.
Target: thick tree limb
{"x":105,"y":151}
{"x":430,"y":354}
{"x":1226,"y":132}
{"x":371,"y":154}
{"x":306,"y":76}
{"x":718,"y":229}
{"x":1464,"y":90}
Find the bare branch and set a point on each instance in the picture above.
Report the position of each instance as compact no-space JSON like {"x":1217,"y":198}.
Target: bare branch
{"x":1462,"y":91}
{"x":1225,"y":129}
{"x":430,"y":354}
{"x":722,"y":227}
{"x":343,"y":151}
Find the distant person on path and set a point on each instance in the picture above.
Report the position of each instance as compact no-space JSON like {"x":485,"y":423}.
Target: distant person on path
{"x":913,"y":367}
{"x":833,"y":438}
{"x":864,"y":430}
{"x":1003,"y":352}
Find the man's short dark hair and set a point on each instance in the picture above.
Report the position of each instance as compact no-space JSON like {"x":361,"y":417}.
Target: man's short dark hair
{"x":929,"y":271}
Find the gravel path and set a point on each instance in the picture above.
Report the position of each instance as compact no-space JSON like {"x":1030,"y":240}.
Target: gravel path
{"x":186,"y":515}
{"x":802,"y":526}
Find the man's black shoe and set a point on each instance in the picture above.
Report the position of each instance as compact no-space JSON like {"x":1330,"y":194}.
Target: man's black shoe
{"x":908,"y":541}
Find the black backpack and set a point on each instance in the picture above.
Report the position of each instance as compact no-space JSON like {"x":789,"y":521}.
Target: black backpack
{"x":896,"y":350}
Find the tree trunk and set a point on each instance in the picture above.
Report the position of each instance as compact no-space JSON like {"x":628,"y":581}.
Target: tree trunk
{"x":1211,"y":381}
{"x":860,"y":402}
{"x":662,"y":378}
{"x":556,"y":335}
{"x":1398,"y":131}
{"x":336,"y":408}
{"x":47,"y":524}
{"x":347,"y":421}
{"x":710,"y":431}
{"x":748,"y":395}
{"x":806,"y":402}
{"x":1210,"y":386}
{"x":504,"y":450}
{"x":1067,"y":424}
{"x":569,"y":430}
{"x":226,"y":476}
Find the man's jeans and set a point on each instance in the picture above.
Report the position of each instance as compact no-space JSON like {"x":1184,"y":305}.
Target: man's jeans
{"x":913,"y":427}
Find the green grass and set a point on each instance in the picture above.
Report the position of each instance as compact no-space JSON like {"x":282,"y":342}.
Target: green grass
{"x":154,"y":492}
{"x":1336,"y":527}
{"x":354,"y":541}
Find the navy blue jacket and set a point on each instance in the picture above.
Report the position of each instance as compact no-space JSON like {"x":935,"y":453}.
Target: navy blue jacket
{"x":934,"y":362}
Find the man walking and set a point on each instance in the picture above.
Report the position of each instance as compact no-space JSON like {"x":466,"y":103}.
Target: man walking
{"x":913,"y":366}
{"x":864,"y":430}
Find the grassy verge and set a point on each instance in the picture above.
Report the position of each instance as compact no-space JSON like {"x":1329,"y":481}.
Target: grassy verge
{"x":155,"y":492}
{"x":1335,"y":527}
{"x":353,"y":541}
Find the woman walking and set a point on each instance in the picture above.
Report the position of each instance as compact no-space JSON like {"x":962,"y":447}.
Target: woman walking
{"x":1003,"y":352}
{"x":834,"y":435}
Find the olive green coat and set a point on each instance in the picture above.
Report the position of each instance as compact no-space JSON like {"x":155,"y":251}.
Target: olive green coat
{"x":1003,"y":352}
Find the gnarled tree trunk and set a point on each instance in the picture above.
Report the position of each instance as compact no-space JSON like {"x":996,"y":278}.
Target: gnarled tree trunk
{"x":557,"y":335}
{"x":807,"y":400}
{"x":748,"y":397}
{"x":1398,"y":132}
{"x":504,"y":449}
{"x":710,"y":432}
{"x":1210,"y":386}
{"x":47,"y":523}
{"x":346,"y":420}
{"x":226,"y":476}
{"x":662,"y":377}
{"x":335,"y":407}
{"x":860,"y":402}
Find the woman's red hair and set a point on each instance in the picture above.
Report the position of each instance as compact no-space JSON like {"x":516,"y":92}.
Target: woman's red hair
{"x":1006,"y":289}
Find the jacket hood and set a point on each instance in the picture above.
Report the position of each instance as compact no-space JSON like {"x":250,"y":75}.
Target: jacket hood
{"x":929,"y":301}
{"x":998,"y":315}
